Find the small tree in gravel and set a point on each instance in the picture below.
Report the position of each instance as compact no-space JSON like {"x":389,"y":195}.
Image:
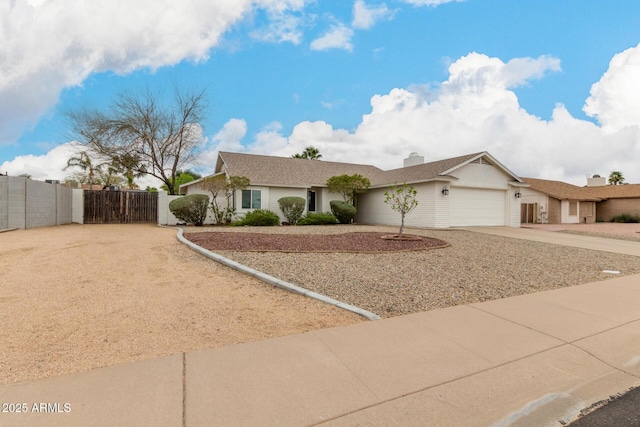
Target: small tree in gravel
{"x":401,"y":199}
{"x":292,"y":208}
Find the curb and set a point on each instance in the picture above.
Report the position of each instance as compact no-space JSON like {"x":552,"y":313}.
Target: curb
{"x":270,"y":279}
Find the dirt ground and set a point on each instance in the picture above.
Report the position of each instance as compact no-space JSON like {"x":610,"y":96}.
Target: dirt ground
{"x":78,"y":297}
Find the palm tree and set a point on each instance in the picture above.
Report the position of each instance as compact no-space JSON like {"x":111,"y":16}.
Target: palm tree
{"x":84,"y":162}
{"x":616,"y":178}
{"x":311,"y":153}
{"x":131,"y":167}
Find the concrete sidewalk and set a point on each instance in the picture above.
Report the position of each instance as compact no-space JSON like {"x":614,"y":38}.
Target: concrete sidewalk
{"x":530,"y":360}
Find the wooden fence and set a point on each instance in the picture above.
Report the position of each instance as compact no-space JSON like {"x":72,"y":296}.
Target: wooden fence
{"x":120,"y":207}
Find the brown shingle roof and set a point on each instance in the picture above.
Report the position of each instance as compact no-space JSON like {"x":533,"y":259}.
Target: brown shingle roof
{"x":422,"y":172}
{"x":292,"y":172}
{"x":614,"y":191}
{"x":288,"y":171}
{"x":560,"y":190}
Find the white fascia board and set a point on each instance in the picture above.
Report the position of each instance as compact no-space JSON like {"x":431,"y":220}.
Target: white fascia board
{"x":449,"y":179}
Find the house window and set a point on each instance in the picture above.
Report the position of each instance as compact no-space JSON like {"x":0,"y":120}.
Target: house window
{"x":251,"y":199}
{"x":573,"y":208}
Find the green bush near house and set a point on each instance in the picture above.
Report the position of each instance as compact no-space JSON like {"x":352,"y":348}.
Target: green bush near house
{"x":191,"y":209}
{"x":626,"y":218}
{"x":325,"y":218}
{"x":344,"y":211}
{"x":260,"y":218}
{"x":292,"y":208}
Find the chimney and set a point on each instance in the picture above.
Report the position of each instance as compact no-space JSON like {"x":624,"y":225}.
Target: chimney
{"x":413,"y":159}
{"x":596,"y":181}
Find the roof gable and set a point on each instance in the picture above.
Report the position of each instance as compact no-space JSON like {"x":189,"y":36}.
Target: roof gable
{"x":441,"y":169}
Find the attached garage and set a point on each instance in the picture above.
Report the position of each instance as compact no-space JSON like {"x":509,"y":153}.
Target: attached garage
{"x":475,"y":206}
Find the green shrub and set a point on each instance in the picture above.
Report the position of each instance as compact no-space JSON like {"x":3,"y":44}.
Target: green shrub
{"x":311,"y":218}
{"x":343,"y":211}
{"x":292,"y":208}
{"x":627,"y":218}
{"x":260,"y":217}
{"x":190,"y":209}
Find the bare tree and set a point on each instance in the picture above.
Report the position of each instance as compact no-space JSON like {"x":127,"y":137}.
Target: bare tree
{"x":402,"y":200}
{"x":162,"y":137}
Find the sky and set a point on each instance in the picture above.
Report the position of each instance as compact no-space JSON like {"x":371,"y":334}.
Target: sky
{"x":551,"y":88}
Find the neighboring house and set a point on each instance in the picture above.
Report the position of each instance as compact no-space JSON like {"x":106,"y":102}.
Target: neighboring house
{"x":470,"y":190}
{"x":556,"y":202}
{"x":615,"y":200}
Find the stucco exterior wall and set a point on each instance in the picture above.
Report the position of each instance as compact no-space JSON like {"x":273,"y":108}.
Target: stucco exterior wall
{"x":607,"y":209}
{"x":77,"y":214}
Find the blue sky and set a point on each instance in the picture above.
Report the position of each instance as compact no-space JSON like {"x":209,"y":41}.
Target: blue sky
{"x":551,"y":88}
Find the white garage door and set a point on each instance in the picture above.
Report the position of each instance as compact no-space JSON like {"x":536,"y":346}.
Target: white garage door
{"x":472,"y":206}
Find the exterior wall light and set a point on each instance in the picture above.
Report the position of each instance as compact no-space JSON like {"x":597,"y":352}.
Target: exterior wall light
{"x":518,"y":194}
{"x":445,"y":191}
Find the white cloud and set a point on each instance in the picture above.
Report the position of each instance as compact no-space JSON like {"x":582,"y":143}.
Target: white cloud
{"x":46,"y":166}
{"x":117,"y":35}
{"x":338,"y":37}
{"x":365,"y":17}
{"x":284,"y":23}
{"x":473,"y":110}
{"x":227,"y":139}
{"x":433,"y":3}
{"x":615,"y":99}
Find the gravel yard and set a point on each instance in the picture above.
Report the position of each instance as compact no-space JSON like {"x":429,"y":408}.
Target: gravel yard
{"x":475,"y":267}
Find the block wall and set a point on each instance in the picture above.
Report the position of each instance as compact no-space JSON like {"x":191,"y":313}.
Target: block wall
{"x":607,"y":209}
{"x":26,"y":203}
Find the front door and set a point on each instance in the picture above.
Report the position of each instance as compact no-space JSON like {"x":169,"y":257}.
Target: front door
{"x":311,"y":201}
{"x":528,"y":213}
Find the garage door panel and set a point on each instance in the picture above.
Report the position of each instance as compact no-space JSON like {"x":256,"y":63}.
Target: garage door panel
{"x":473,"y":206}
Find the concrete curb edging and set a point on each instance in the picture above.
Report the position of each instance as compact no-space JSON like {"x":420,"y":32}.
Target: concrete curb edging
{"x":272,"y":280}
